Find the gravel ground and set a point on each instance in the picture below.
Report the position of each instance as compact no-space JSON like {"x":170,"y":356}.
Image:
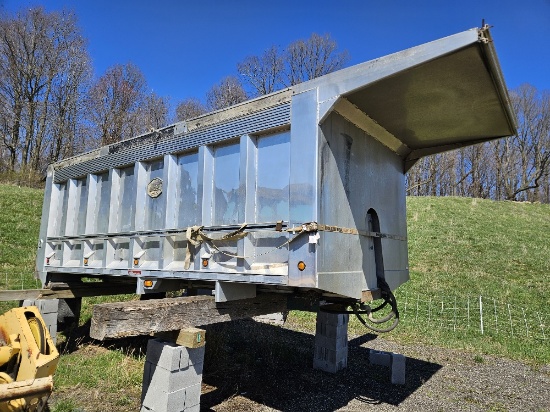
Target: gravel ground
{"x":436,"y":379}
{"x":250,"y":366}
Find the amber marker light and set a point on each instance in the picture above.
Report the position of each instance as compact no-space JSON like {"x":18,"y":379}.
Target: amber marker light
{"x":85,"y":261}
{"x":205,"y":263}
{"x":148,"y":283}
{"x":301,"y":265}
{"x":136,"y":262}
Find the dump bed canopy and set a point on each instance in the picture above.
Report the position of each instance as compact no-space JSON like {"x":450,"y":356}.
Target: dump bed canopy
{"x":428,"y":99}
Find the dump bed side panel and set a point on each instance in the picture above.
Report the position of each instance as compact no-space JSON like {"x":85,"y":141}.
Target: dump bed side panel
{"x":125,"y":210}
{"x":359,"y":178}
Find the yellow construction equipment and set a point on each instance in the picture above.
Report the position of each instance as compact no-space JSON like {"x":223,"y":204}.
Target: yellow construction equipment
{"x":28,"y":359}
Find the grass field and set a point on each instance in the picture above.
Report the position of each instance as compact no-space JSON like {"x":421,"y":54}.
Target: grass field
{"x":20,"y":210}
{"x":459,"y":249}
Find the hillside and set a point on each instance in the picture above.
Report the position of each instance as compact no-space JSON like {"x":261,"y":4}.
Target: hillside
{"x":459,"y":249}
{"x":463,"y":253}
{"x":20,"y":212}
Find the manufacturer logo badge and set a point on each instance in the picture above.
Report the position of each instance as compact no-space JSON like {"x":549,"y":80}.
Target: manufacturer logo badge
{"x":154,"y":188}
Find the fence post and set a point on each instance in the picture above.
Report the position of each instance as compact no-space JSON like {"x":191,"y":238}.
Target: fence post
{"x":481,"y":313}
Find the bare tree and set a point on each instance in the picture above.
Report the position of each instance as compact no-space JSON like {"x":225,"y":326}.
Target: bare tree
{"x":515,"y":168}
{"x":151,"y":114}
{"x":227,"y":93}
{"x":302,"y":60}
{"x":263,"y":73}
{"x":42,"y":58}
{"x":188,"y":109}
{"x":531,"y":143}
{"x":311,"y":58}
{"x":113,"y":102}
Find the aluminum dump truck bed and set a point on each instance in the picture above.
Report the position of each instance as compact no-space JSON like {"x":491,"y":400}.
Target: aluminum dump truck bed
{"x":303,"y":188}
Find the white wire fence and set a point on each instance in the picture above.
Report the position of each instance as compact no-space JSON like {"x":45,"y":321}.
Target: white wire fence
{"x":468,"y":315}
{"x":475,"y":315}
{"x":11,"y":280}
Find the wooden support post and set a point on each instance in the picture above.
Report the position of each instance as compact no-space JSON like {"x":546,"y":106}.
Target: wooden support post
{"x":117,"y":320}
{"x":188,"y":337}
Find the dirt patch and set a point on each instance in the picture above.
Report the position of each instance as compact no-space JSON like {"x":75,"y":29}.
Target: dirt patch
{"x":282,"y":378}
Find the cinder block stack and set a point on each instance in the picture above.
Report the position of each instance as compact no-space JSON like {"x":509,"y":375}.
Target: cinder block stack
{"x":48,"y":310}
{"x":331,"y":342}
{"x":172,"y":377}
{"x":394,"y":361}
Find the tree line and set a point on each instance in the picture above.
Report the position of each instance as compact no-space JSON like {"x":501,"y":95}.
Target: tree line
{"x":52,"y":107}
{"x":515,"y":168}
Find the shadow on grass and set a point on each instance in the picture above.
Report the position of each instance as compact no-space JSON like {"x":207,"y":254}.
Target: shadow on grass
{"x":272,"y":366}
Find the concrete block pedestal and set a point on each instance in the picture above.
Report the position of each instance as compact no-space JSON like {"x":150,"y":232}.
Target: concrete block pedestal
{"x":172,"y":377}
{"x":331,"y":342}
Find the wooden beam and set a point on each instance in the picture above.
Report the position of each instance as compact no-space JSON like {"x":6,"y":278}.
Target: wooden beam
{"x":10,"y":295}
{"x":69,"y":291}
{"x":122,"y":319}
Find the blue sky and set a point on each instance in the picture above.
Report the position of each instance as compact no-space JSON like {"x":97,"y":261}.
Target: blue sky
{"x":184,"y":47}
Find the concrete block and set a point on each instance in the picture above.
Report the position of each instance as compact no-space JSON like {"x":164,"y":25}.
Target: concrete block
{"x":156,"y":378}
{"x":192,"y":395}
{"x":173,"y":401}
{"x":380,"y":358}
{"x":195,"y":408}
{"x":53,"y":332}
{"x":398,"y":369}
{"x":172,"y":377}
{"x":45,"y":306}
{"x":48,"y":306}
{"x":335,"y":319}
{"x":331,"y":331}
{"x":331,"y":367}
{"x":337,"y":343}
{"x":191,"y":356}
{"x":164,"y":354}
{"x":331,"y":342}
{"x":50,"y":318}
{"x":329,"y":355}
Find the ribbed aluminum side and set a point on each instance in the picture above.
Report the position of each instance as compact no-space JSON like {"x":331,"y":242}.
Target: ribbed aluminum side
{"x":273,"y":117}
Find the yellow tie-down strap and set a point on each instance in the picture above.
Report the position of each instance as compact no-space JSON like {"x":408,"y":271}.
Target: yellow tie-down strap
{"x":350,"y":231}
{"x":317,"y":227}
{"x":196,"y":236}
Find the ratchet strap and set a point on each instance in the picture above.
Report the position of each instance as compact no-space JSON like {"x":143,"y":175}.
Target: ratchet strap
{"x":195,"y":236}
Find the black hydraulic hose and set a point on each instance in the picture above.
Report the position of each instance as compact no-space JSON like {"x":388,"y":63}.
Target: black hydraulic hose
{"x":361,"y":309}
{"x":390,"y":298}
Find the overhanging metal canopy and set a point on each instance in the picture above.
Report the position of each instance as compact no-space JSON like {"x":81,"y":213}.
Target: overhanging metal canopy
{"x":435,"y":97}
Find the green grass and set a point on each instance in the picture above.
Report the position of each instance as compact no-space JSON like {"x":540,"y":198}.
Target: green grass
{"x":471,"y":246}
{"x":459,"y":248}
{"x":20,"y":212}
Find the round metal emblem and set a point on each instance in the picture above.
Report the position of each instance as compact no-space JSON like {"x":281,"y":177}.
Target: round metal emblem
{"x":154,"y":188}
